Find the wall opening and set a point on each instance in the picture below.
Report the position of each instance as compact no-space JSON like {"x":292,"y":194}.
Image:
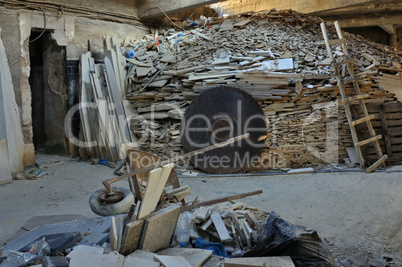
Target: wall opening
{"x":372,"y":33}
{"x":49,"y":93}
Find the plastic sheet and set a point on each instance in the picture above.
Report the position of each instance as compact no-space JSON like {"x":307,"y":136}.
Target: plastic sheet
{"x":40,"y":248}
{"x":17,"y":259}
{"x":304,"y":246}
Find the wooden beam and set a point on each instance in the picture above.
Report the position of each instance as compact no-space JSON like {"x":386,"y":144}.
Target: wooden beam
{"x":367,"y":20}
{"x":154,"y":9}
{"x":370,"y":8}
{"x":393,"y":41}
{"x":305,"y":6}
{"x":389,"y":28}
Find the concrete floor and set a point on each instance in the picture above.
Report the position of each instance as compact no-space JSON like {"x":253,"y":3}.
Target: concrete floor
{"x":359,"y":214}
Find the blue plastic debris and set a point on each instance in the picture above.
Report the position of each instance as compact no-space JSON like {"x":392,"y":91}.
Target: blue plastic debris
{"x":129,"y":53}
{"x":103,"y":162}
{"x":217,"y":248}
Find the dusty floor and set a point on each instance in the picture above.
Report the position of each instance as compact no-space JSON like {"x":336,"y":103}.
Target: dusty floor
{"x":359,"y":214}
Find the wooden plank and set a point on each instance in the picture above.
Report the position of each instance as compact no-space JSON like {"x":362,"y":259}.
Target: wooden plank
{"x":384,"y":130}
{"x":116,"y":99}
{"x":365,"y":119}
{"x":367,"y":141}
{"x":377,"y":163}
{"x":84,"y":100}
{"x":113,"y":236}
{"x":227,"y":25}
{"x":159,"y":228}
{"x":156,"y":182}
{"x":388,"y":107}
{"x":204,"y":77}
{"x":301,"y":170}
{"x":131,"y":237}
{"x":119,"y":229}
{"x":250,"y":217}
{"x":242,"y":23}
{"x":220,"y":227}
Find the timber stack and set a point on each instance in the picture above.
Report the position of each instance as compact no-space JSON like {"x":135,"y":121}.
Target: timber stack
{"x":278,"y":57}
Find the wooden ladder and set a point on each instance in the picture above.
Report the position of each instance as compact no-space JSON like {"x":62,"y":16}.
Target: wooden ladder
{"x":359,"y":97}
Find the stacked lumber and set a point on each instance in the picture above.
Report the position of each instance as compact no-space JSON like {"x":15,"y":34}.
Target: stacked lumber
{"x":388,"y":123}
{"x":278,"y":57}
{"x":103,"y":107}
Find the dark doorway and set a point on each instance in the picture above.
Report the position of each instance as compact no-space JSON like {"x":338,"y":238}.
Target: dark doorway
{"x":36,"y":81}
{"x":373,"y":33}
{"x":49,"y":93}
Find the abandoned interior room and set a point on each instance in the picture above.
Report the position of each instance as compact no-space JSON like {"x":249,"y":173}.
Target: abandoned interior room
{"x":200,"y":133}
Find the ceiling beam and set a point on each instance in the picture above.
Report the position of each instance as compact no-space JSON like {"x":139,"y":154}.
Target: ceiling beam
{"x":389,"y":28}
{"x":153,"y":9}
{"x":362,"y":9}
{"x":305,"y":6}
{"x":368,"y":20}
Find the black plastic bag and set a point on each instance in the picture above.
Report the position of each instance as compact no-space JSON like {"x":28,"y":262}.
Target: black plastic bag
{"x":304,"y":246}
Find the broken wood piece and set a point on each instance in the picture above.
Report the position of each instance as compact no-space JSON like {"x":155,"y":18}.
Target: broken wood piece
{"x":178,"y":194}
{"x":251,"y":219}
{"x":140,"y":63}
{"x":136,"y":210}
{"x":301,"y":170}
{"x":201,"y":35}
{"x":248,"y":233}
{"x":204,"y":77}
{"x":206,"y":224}
{"x":131,"y":237}
{"x":193,"y":231}
{"x":227,"y":25}
{"x":220,"y":200}
{"x":266,"y":53}
{"x":143,"y":71}
{"x":168,"y":58}
{"x":159,"y":228}
{"x":202,"y":213}
{"x":242,"y":23}
{"x":113,"y":237}
{"x":156,"y":182}
{"x":219,"y":61}
{"x":237,"y":205}
{"x":220,"y":227}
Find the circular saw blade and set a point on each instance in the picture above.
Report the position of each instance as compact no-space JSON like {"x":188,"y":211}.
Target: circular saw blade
{"x":216,"y":115}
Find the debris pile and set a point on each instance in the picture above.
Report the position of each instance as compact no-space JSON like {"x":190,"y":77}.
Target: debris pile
{"x":278,"y":57}
{"x":212,"y":224}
